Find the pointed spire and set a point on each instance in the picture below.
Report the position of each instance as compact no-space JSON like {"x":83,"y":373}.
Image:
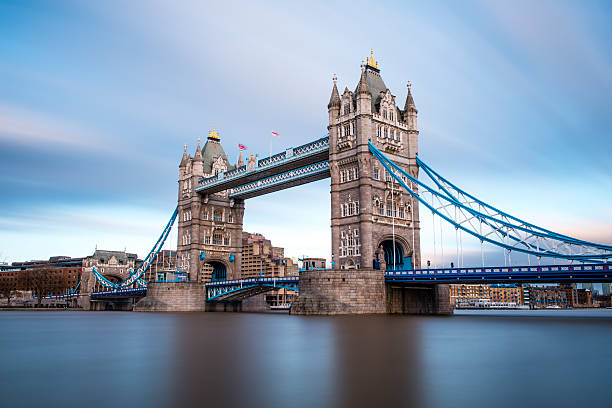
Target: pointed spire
{"x":409,"y":101}
{"x":240,"y":161}
{"x":362,"y":87}
{"x":334,"y":100}
{"x":185,"y":158}
{"x":198,"y":153}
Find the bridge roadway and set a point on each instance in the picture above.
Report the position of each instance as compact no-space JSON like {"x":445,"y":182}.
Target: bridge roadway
{"x":295,"y":166}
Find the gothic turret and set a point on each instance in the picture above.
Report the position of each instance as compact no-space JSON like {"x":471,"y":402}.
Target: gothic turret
{"x":410,"y":111}
{"x":197,"y":161}
{"x":185,"y":159}
{"x":364,"y":97}
{"x":240,"y":162}
{"x":333,"y":107}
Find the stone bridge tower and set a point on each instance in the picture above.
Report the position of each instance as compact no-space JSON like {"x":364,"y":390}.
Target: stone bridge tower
{"x":364,"y":213}
{"x":209,"y":225}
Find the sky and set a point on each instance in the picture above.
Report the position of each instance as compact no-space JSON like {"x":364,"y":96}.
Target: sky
{"x":97,"y":100}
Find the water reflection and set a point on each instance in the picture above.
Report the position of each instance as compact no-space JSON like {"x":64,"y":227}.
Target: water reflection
{"x":222,"y":359}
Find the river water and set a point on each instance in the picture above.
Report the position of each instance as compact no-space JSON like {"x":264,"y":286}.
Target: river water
{"x":547,"y":358}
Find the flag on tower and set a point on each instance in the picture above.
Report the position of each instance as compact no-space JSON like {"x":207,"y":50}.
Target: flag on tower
{"x":241,"y":146}
{"x":275,"y":134}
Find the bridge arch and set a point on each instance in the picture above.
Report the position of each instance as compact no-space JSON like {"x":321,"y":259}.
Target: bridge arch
{"x":403,"y":252}
{"x":214,"y":270}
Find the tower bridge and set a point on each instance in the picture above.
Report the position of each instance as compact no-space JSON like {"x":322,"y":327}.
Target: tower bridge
{"x":371,"y":158}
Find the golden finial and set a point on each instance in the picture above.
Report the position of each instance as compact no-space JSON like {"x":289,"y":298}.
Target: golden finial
{"x":185,"y":147}
{"x":213,"y":134}
{"x":370,"y":61}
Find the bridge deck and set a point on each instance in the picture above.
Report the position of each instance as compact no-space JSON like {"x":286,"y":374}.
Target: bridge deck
{"x":290,"y":160}
{"x":510,"y":274}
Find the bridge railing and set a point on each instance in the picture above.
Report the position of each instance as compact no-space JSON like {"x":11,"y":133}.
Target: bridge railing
{"x":276,"y":159}
{"x":502,"y":270}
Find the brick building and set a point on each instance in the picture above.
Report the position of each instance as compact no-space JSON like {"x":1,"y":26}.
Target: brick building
{"x":473,"y":295}
{"x":548,"y":296}
{"x":63,"y":274}
{"x":505,"y":295}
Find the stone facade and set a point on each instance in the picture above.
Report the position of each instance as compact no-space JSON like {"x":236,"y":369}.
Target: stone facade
{"x":365,"y":205}
{"x":209,"y":226}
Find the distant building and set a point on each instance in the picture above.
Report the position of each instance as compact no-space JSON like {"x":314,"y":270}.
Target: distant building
{"x":313,"y":263}
{"x":548,"y":296}
{"x":505,"y":295}
{"x":261,"y":258}
{"x":163,"y":268}
{"x":113,"y":265}
{"x":470,"y":295}
{"x":64,"y":274}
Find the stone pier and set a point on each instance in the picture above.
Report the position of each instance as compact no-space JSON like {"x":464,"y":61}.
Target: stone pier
{"x":364,"y":291}
{"x":334,"y":292}
{"x":173,"y":297}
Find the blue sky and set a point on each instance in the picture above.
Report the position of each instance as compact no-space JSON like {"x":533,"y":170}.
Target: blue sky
{"x":97,"y":100}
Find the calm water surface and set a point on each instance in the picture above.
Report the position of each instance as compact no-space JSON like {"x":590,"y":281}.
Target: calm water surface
{"x":473,"y":359}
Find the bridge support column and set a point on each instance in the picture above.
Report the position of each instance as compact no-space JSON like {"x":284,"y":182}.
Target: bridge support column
{"x":364,"y":291}
{"x":173,"y":297}
{"x":333,"y":292}
{"x":419,"y":299}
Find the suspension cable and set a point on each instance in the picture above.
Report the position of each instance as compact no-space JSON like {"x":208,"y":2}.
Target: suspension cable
{"x":393,"y":219}
{"x":433,"y":227}
{"x":412,"y":223}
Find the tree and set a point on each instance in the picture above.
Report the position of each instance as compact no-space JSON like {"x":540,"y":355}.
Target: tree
{"x":43,"y":282}
{"x":8,"y":285}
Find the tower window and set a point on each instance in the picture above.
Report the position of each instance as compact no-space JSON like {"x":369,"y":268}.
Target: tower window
{"x":376,"y":174}
{"x":385,"y":114}
{"x":379,"y":131}
{"x":347,"y":108}
{"x":391,"y":115}
{"x":218,"y":217}
{"x":386,"y":133}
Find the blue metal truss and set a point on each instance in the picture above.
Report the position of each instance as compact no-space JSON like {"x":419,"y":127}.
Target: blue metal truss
{"x":280,"y":179}
{"x":280,"y":159}
{"x":488,"y":224}
{"x":243,"y":288}
{"x":119,"y":293}
{"x":136,"y":276}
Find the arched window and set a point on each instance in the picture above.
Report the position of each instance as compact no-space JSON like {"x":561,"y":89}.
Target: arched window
{"x":386,"y":133}
{"x":391,"y":115}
